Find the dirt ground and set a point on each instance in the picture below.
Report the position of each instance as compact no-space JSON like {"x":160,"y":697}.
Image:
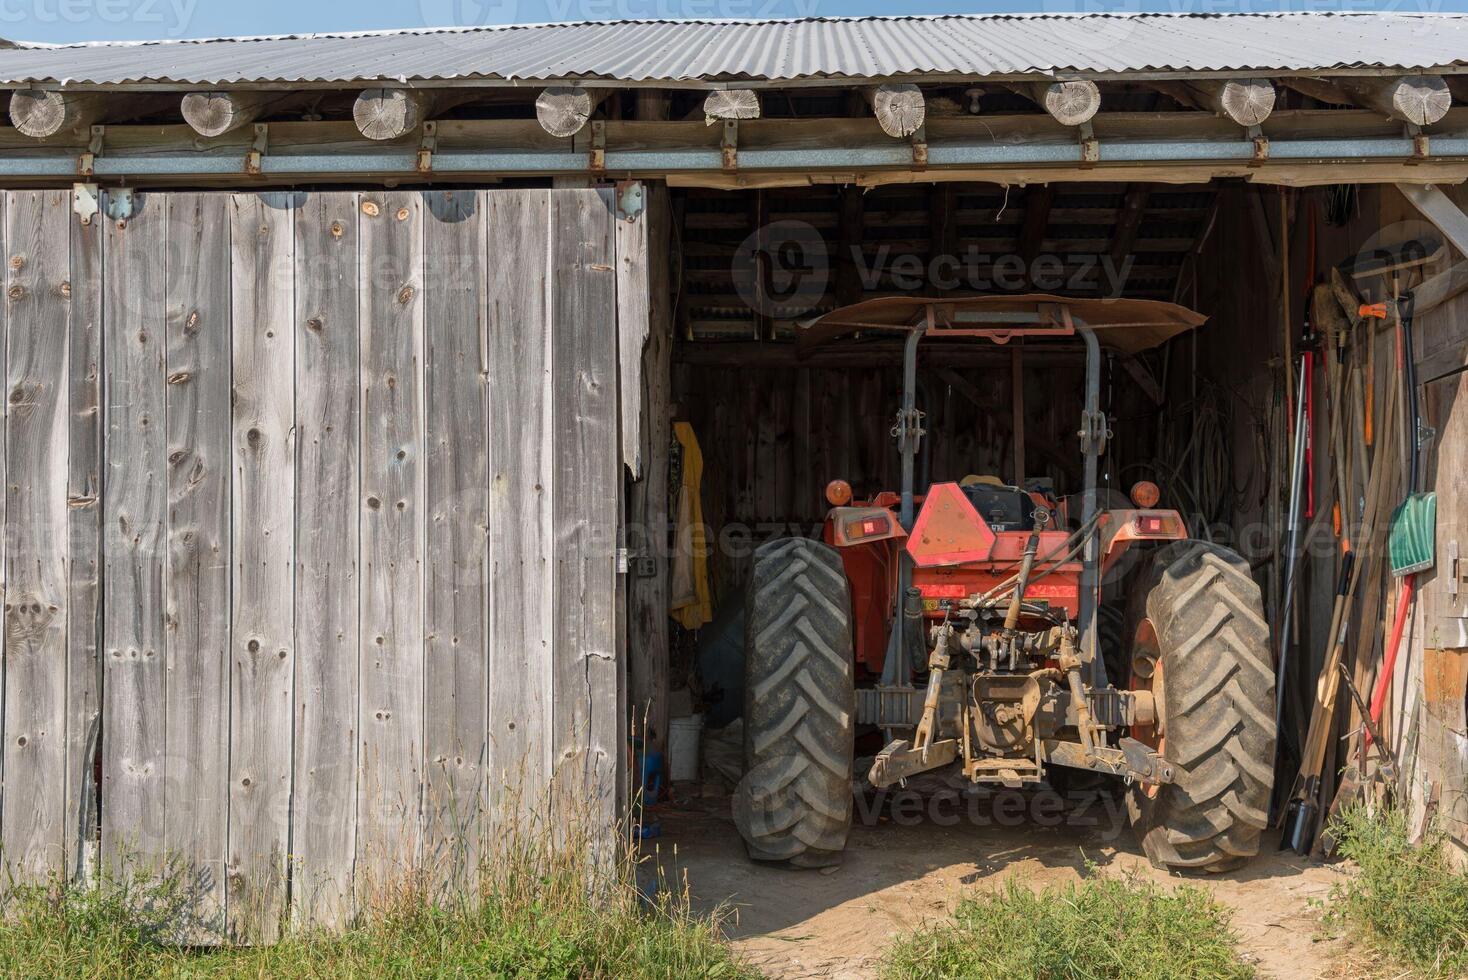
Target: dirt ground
{"x":909,"y":861}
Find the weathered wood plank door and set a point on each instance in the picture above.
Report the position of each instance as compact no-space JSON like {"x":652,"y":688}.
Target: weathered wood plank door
{"x":312,"y":509}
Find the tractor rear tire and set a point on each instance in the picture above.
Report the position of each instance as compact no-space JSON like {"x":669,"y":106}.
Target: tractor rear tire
{"x":1199,"y":614}
{"x":794,"y":801}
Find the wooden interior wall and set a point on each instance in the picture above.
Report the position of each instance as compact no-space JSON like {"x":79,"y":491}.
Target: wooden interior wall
{"x":1085,"y":239}
{"x":354,"y":458}
{"x":773,"y":437}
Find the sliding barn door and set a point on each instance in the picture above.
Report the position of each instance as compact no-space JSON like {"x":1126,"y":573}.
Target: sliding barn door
{"x":312,"y":505}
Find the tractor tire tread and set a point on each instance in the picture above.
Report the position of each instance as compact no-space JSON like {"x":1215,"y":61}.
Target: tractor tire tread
{"x":794,"y":801}
{"x":1218,"y":694}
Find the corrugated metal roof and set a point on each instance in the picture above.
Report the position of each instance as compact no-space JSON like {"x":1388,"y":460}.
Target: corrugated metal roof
{"x":786,"y":50}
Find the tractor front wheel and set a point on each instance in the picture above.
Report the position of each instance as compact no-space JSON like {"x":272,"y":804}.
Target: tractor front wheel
{"x":794,"y":801}
{"x":1198,"y":641}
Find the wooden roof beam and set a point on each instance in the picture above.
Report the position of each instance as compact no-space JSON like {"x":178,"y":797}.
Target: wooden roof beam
{"x":724,"y":104}
{"x":216,"y":113}
{"x":41,"y":113}
{"x":899,"y":107}
{"x":1420,"y":100}
{"x":1247,"y":101}
{"x":1070,"y":103}
{"x":564,"y":110}
{"x":389,"y":113}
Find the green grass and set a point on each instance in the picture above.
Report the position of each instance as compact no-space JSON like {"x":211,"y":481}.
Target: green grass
{"x":1096,"y":930}
{"x":99,"y":934}
{"x":534,"y":912}
{"x":1404,"y":905}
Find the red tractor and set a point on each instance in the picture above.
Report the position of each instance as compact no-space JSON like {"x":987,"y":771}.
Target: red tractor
{"x":963,"y":624}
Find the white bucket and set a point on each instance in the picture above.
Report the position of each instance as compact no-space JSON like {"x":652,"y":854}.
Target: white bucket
{"x":683,"y":739}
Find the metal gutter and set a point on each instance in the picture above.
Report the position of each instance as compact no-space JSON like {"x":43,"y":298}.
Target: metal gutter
{"x":891,"y":156}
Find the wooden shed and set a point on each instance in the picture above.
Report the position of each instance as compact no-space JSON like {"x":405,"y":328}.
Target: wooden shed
{"x":337,"y":426}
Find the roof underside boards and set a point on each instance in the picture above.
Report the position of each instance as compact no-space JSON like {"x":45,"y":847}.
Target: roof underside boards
{"x":711,"y":52}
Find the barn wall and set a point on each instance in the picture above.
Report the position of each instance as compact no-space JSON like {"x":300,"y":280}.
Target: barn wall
{"x":329,"y":485}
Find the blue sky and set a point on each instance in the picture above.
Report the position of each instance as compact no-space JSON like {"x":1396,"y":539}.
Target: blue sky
{"x":87,"y":20}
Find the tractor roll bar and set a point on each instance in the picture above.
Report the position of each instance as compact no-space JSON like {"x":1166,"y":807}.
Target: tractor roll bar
{"x":1093,"y":433}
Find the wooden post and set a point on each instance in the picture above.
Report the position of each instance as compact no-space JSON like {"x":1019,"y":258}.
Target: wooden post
{"x":84,"y":611}
{"x":731,"y":103}
{"x":899,"y":108}
{"x":216,"y":113}
{"x":647,"y":510}
{"x":1070,"y":103}
{"x":1038,"y":200}
{"x":943,"y":227}
{"x":848,"y":244}
{"x":562,"y":110}
{"x":1128,"y":221}
{"x":41,"y":112}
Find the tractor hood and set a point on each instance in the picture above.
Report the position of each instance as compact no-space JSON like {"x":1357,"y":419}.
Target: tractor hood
{"x":1130,"y":325}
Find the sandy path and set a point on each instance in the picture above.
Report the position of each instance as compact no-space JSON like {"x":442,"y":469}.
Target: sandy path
{"x":906,"y":868}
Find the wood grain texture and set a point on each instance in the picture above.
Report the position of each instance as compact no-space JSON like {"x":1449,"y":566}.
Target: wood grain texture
{"x":456,"y":601}
{"x":33,"y":824}
{"x":323,"y":804}
{"x":389,"y":785}
{"x":84,"y":489}
{"x":634,"y":313}
{"x":263,"y":512}
{"x":521,"y":574}
{"x":134,"y":504}
{"x":586,"y":481}
{"x":642,"y":270}
{"x":197,"y":576}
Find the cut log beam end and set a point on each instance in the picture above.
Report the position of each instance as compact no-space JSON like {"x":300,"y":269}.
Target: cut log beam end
{"x":1069,"y":103}
{"x":1072,"y":103}
{"x":731,"y":103}
{"x":40,"y":113}
{"x":1247,"y":101}
{"x":563,"y":110}
{"x":388,"y":113}
{"x":216,"y":113}
{"x":1419,"y":99}
{"x":900,"y":108}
